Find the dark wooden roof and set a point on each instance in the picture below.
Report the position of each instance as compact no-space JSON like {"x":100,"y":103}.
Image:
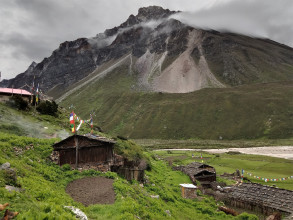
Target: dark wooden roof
{"x":196,"y":168}
{"x":280,"y":199}
{"x":83,"y":141}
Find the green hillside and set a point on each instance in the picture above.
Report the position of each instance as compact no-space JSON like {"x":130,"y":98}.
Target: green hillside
{"x":44,"y":197}
{"x":31,"y":123}
{"x":244,"y":112}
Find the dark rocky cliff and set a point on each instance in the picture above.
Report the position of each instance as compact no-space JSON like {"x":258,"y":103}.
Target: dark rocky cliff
{"x":74,"y":60}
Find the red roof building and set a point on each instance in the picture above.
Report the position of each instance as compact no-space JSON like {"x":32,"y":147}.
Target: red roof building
{"x":6,"y":93}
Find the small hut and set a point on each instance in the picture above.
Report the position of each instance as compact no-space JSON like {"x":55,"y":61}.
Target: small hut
{"x":85,"y":152}
{"x":203,"y":173}
{"x":188,"y":191}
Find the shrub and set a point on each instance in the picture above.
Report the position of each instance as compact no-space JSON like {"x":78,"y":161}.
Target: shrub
{"x":66,"y":167}
{"x":48,"y":108}
{"x":129,"y":150}
{"x":18,"y":102}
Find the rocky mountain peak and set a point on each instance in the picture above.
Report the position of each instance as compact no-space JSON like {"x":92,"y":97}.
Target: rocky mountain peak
{"x":144,"y":14}
{"x":33,"y":65}
{"x":153,"y":12}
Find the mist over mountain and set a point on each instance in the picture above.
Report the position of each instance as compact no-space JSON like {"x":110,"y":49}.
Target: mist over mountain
{"x":166,"y":55}
{"x":154,"y":76}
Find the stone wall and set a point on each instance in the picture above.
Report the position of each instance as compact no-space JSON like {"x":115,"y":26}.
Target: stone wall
{"x":188,"y":193}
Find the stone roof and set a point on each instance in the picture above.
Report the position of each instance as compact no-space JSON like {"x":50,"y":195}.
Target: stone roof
{"x":280,"y":199}
{"x":195,"y":168}
{"x":67,"y":142}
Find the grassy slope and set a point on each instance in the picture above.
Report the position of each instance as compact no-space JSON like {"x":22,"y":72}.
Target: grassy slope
{"x":45,"y":182}
{"x":31,"y":123}
{"x":246,"y":112}
{"x":237,"y":59}
{"x":262,"y":166}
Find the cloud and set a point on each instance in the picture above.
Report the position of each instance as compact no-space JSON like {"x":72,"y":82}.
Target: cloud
{"x":268,"y":19}
{"x":31,"y":30}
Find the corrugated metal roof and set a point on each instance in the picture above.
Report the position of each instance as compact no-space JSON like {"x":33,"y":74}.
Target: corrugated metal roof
{"x":14,"y":91}
{"x":188,"y":185}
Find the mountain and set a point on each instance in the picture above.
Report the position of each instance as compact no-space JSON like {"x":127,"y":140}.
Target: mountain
{"x":167,"y":56}
{"x":151,"y":54}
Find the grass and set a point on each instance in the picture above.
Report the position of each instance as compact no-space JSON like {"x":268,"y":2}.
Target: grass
{"x":237,"y":60}
{"x":31,"y":123}
{"x":258,"y":111}
{"x":44,"y":184}
{"x":262,"y":166}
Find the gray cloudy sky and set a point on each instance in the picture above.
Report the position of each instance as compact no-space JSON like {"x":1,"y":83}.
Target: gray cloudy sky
{"x":31,"y":29}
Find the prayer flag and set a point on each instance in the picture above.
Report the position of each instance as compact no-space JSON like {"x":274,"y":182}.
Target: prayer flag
{"x":72,"y":125}
{"x":37,"y":95}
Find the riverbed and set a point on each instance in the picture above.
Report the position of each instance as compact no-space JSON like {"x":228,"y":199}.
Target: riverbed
{"x":285,"y":152}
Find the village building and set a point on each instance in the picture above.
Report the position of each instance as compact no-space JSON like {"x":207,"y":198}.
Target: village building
{"x":85,"y":152}
{"x":188,"y":191}
{"x":258,"y":198}
{"x":95,"y":152}
{"x":203,"y":173}
{"x":7,"y":93}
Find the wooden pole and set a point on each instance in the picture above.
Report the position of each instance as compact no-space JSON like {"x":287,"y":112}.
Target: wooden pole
{"x":76,"y":151}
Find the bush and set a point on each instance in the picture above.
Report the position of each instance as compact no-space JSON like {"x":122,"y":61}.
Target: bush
{"x":48,"y":108}
{"x":18,"y":102}
{"x":129,"y":150}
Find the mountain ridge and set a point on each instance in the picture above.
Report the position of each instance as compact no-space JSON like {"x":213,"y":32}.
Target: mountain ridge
{"x":218,"y":60}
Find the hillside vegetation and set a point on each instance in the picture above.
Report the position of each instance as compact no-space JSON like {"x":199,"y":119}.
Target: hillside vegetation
{"x":33,"y":124}
{"x":262,"y":166}
{"x":43,"y":186}
{"x":244,"y":112}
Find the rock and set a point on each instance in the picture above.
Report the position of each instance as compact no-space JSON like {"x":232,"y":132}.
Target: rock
{"x":155,"y":196}
{"x":79,"y":214}
{"x":168,"y":212}
{"x":5,"y":166}
{"x":13,"y":188}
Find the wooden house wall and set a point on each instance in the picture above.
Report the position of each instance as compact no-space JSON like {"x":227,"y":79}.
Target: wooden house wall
{"x":6,"y":97}
{"x":95,"y":154}
{"x":66,"y":156}
{"x":205,"y":176}
{"x":87,"y":155}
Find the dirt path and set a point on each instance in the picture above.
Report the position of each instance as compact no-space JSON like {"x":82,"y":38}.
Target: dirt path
{"x":285,"y":152}
{"x":92,"y":190}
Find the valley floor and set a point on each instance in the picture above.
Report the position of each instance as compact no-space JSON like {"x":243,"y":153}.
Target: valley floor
{"x":285,"y":152}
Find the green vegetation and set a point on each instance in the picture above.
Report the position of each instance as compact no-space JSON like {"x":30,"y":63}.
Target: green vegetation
{"x":237,"y":60}
{"x":129,"y":150}
{"x":31,"y":123}
{"x":44,"y":196}
{"x":258,"y":111}
{"x":48,"y":108}
{"x":263,"y":166}
{"x":18,"y":102}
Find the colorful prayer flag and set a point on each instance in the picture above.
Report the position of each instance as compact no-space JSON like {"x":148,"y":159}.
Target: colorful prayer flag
{"x":37,"y":95}
{"x":71,"y":119}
